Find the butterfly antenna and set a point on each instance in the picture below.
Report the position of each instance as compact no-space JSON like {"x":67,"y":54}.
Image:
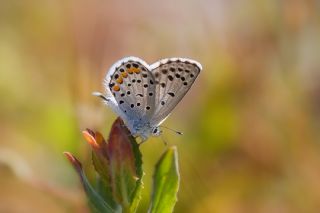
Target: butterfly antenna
{"x":100,"y":95}
{"x":177,"y":132}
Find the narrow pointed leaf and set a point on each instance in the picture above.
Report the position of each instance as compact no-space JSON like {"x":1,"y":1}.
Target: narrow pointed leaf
{"x":104,"y":190}
{"x":99,"y":153}
{"x":165,"y":183}
{"x":95,"y":200}
{"x":101,"y":166}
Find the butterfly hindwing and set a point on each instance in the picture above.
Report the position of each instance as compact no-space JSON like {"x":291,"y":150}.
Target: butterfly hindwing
{"x":174,"y":77}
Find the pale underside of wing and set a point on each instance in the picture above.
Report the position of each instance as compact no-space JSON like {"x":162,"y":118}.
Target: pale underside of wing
{"x":133,"y":88}
{"x":174,"y":77}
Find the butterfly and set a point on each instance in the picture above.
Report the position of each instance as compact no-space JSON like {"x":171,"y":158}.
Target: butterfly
{"x":144,"y":95}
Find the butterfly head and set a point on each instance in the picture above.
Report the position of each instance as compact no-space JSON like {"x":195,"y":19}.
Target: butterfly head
{"x":144,"y":131}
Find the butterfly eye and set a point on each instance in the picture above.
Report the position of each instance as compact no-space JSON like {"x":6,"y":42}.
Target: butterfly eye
{"x":156,"y":131}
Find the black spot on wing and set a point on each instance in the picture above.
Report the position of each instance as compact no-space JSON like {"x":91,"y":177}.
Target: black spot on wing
{"x":171,"y":94}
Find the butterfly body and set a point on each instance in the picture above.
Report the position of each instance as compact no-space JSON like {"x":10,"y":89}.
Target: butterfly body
{"x":144,"y":95}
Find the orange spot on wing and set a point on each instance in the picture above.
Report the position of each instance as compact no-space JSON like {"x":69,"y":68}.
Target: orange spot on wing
{"x":137,"y":70}
{"x":132,"y":70}
{"x":124,"y":74}
{"x":119,"y":80}
{"x":116,"y":88}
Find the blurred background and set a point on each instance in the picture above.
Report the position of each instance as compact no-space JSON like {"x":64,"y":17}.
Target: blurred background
{"x":250,"y":122}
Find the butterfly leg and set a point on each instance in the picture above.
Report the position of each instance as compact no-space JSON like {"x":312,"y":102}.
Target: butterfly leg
{"x":142,"y":140}
{"x":164,"y":140}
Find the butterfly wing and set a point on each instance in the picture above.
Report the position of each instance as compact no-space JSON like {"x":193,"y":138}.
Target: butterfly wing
{"x":174,"y":77}
{"x":130,"y":86}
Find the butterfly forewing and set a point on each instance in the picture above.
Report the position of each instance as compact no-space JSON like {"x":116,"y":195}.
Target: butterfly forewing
{"x":174,"y":77}
{"x":133,"y":87}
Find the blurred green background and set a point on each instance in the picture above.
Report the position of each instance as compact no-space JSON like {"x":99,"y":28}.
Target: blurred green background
{"x":251,"y":120}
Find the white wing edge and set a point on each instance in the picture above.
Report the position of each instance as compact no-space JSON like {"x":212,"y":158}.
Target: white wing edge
{"x":164,"y":61}
{"x":111,"y":71}
{"x":120,"y":62}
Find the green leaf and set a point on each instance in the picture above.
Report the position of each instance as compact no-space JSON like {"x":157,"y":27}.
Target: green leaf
{"x":165,"y":183}
{"x":136,"y":196}
{"x":101,"y":166}
{"x":119,"y":166}
{"x":96,"y":202}
{"x":104,"y":190}
{"x":124,"y":167}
